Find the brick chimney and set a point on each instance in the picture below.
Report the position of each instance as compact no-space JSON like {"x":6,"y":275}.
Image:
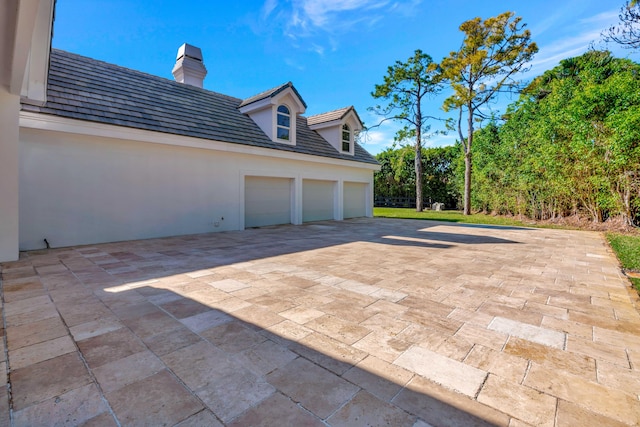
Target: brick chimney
{"x":189,"y":68}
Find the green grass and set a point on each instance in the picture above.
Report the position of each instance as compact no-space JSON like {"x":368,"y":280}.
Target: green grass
{"x":627,"y":248}
{"x":449,"y":216}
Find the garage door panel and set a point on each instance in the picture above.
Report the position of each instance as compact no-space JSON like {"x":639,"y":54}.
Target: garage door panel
{"x":267,"y":201}
{"x":317,"y":200}
{"x":355,"y":199}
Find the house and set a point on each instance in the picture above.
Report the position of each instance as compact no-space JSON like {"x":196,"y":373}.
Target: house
{"x":92,"y":152}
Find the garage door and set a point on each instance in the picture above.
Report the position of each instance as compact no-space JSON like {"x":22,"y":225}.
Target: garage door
{"x":355,"y":199}
{"x":317,"y":200}
{"x":267,"y":201}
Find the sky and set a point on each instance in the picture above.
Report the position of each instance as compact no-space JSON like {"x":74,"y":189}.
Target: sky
{"x":334,"y":51}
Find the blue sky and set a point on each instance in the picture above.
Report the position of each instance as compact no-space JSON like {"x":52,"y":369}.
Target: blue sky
{"x":334,"y":51}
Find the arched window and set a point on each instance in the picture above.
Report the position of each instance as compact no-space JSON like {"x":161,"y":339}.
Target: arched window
{"x":284,"y":123}
{"x":346,"y":138}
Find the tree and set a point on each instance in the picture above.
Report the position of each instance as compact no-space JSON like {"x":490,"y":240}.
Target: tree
{"x":406,"y":86}
{"x":492,"y":53}
{"x":627,"y":32}
{"x":570,"y":145}
{"x":397,"y":177}
{"x":439,"y":174}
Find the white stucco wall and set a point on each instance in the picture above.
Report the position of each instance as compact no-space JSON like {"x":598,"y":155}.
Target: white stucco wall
{"x":79,"y":189}
{"x":9,"y":110}
{"x":264,"y":119}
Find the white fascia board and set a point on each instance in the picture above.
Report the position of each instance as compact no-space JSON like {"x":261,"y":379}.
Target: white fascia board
{"x":26,"y":14}
{"x":34,"y":85}
{"x":324,"y":125}
{"x":31,"y":120}
{"x":257,"y":105}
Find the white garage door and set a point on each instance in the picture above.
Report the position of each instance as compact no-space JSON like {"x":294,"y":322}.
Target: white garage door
{"x":267,"y":201}
{"x":317,"y":200}
{"x":355,"y":199}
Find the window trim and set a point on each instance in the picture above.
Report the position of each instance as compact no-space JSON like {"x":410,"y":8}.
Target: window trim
{"x":288,"y":129}
{"x":346,"y":128}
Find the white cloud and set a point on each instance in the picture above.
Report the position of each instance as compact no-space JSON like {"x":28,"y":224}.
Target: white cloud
{"x":294,"y":64}
{"x":440,"y":140}
{"x":380,"y":135}
{"x":377,"y":138}
{"x":603,"y":19}
{"x":555,"y":19}
{"x":268,"y":7}
{"x":322,"y":13}
{"x":319,"y":20}
{"x":317,"y":48}
{"x":584,"y":33}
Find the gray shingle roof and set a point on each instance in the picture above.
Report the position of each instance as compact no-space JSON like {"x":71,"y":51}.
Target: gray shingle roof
{"x":86,"y":89}
{"x":331,"y":115}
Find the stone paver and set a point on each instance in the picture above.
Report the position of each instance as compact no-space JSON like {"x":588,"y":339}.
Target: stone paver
{"x":35,"y":332}
{"x":44,"y":380}
{"x":71,"y":408}
{"x":46,"y":350}
{"x":443,"y":370}
{"x":531,"y":333}
{"x":518,"y":401}
{"x":277,"y":410}
{"x":438,"y":406}
{"x":110,"y":347}
{"x":328,"y":394}
{"x":360,"y":322}
{"x":165,"y":400}
{"x":366,"y":410}
{"x":127,"y":370}
{"x":612,"y":403}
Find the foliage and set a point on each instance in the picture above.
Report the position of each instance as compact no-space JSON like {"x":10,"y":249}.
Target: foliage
{"x":570,"y":144}
{"x":492,"y":52}
{"x":627,"y":32}
{"x":406,"y":86}
{"x":397,"y":176}
{"x":627,"y":248}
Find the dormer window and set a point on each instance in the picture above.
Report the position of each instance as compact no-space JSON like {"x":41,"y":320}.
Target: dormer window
{"x":346,"y":138}
{"x":339,"y":128}
{"x":276,"y":112}
{"x":284,"y":123}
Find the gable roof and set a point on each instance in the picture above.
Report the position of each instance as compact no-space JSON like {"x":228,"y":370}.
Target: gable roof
{"x":332,"y":115}
{"x":271,"y":93}
{"x":86,"y":89}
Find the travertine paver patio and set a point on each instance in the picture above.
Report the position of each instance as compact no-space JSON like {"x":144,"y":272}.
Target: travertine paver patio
{"x":361,"y":322}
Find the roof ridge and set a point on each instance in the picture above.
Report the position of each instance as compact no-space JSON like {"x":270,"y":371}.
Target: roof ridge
{"x":270,"y":93}
{"x":265,"y":94}
{"x":333,"y":111}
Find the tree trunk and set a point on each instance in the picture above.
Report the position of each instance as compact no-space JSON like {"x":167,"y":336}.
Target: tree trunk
{"x":418,"y":167}
{"x":467,"y":162}
{"x":626,"y":197}
{"x":418,"y":160}
{"x":467,"y":182}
